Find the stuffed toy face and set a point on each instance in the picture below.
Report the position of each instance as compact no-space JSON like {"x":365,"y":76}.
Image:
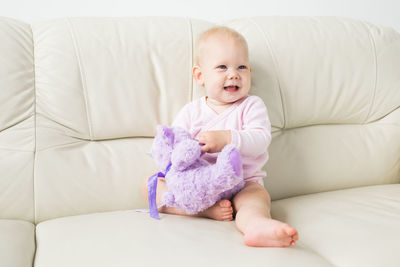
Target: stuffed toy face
{"x":193,"y":183}
{"x":165,"y":142}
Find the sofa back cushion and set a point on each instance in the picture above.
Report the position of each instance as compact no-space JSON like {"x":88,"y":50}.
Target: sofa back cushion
{"x":17,"y":134}
{"x":331,"y":86}
{"x":103,"y":84}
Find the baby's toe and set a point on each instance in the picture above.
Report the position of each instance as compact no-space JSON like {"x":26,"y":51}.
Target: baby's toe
{"x":290,"y":231}
{"x":227,"y":217}
{"x":295,"y":237}
{"x":225,"y":203}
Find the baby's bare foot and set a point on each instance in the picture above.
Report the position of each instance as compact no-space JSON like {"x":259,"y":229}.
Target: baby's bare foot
{"x":265,"y":232}
{"x":220,"y":211}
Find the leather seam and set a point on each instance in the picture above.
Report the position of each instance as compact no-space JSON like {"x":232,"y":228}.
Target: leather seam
{"x":34,"y":127}
{"x":275,"y":63}
{"x":373,"y":44}
{"x":83,"y":76}
{"x":62,"y":145}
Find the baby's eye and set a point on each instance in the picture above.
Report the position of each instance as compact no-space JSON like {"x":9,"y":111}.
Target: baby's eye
{"x":222,"y":67}
{"x":242,"y":67}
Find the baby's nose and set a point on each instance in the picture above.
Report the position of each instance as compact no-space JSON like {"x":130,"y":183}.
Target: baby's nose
{"x":233,"y":74}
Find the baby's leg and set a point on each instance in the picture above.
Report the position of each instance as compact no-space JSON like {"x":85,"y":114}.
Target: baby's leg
{"x":221,"y":211}
{"x":253,"y":219}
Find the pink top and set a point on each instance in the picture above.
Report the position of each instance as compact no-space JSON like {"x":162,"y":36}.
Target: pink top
{"x":249,"y":124}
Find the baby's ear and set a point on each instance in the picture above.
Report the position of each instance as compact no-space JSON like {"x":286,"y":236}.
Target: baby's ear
{"x":198,"y":75}
{"x":162,"y":147}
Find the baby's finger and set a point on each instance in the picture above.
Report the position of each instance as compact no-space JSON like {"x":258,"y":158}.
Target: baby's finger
{"x":205,"y":148}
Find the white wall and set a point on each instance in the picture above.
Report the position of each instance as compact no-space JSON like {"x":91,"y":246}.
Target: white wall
{"x":380,"y":12}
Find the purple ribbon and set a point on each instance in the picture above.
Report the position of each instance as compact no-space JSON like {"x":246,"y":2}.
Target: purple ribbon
{"x":152,"y":192}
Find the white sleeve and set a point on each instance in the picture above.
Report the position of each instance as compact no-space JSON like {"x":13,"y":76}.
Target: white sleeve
{"x":255,"y":138}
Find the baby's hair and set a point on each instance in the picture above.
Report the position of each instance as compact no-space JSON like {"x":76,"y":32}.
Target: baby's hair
{"x":217,"y":31}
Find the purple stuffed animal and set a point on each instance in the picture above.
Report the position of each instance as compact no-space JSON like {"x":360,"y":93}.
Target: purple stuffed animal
{"x":193,"y":183}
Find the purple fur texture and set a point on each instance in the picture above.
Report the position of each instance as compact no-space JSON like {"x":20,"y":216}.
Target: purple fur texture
{"x":193,"y":183}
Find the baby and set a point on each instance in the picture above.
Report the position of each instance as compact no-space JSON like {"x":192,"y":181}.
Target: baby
{"x":228,"y":115}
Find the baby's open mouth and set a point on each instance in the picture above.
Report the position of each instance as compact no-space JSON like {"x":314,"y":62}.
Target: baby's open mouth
{"x":231,"y":88}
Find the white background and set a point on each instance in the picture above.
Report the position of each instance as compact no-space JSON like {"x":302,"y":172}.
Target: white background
{"x":380,"y":12}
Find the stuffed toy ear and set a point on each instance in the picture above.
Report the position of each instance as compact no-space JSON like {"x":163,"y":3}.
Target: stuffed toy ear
{"x":180,"y":134}
{"x":185,"y":154}
{"x":162,"y":147}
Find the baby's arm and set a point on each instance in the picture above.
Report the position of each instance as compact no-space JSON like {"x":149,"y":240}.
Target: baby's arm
{"x":253,"y":140}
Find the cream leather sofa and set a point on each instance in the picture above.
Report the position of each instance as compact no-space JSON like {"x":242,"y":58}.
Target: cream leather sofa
{"x":79,"y":102}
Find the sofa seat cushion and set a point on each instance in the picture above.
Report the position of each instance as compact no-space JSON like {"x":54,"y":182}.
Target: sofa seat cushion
{"x":128,"y":238}
{"x":352,"y":227}
{"x":17,"y":243}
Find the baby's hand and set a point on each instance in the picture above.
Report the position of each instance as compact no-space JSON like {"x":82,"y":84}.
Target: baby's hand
{"x":214,"y":141}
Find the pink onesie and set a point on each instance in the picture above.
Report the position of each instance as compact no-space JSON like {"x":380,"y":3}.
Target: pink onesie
{"x":250,"y":128}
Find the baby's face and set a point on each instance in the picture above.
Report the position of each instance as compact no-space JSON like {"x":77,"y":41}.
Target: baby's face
{"x":225,"y":71}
